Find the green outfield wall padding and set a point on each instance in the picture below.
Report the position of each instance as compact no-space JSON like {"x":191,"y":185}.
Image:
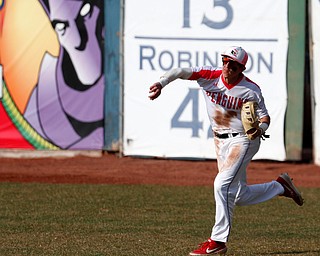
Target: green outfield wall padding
{"x":295,"y":79}
{"x":112,"y":75}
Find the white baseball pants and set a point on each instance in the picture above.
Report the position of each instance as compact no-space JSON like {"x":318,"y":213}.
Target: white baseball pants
{"x":230,"y":185}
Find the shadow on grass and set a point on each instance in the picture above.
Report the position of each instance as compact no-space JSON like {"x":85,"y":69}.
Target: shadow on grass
{"x":316,"y":252}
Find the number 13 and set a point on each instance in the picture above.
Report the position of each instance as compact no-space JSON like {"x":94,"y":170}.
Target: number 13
{"x":205,"y":20}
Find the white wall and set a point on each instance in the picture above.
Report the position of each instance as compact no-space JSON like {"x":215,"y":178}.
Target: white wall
{"x":160,"y":35}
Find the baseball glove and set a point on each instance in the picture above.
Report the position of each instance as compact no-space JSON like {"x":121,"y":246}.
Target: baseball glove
{"x":250,"y":120}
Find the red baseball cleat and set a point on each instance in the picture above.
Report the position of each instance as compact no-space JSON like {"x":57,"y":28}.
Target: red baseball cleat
{"x":289,"y":188}
{"x":210,"y":247}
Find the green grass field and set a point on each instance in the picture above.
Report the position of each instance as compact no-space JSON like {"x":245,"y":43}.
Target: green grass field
{"x":47,"y":219}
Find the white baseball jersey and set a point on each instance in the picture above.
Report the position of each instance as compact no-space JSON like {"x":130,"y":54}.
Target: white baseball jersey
{"x":224,"y":101}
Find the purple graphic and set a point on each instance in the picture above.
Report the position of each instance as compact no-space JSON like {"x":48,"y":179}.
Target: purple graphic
{"x":67,"y":105}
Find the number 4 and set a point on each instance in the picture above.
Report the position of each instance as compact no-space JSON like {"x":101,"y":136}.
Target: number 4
{"x":191,"y":98}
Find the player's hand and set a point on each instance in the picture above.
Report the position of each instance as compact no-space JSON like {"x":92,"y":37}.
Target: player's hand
{"x":155,"y":91}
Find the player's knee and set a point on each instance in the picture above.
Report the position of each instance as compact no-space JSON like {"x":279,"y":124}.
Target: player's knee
{"x":218,"y":185}
{"x":223,"y":189}
{"x":222,"y":183}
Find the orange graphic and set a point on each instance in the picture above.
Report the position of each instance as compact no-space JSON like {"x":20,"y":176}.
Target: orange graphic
{"x":26,"y":34}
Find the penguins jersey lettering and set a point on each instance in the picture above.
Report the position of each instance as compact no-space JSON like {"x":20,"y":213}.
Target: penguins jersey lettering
{"x":224,"y":101}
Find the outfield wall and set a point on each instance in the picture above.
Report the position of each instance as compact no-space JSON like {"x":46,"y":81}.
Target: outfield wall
{"x":135,"y":47}
{"x":315,"y":76}
{"x":53,"y":78}
{"x":193,"y":34}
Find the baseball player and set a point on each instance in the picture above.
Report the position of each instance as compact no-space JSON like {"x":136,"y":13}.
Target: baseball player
{"x":226,"y":90}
